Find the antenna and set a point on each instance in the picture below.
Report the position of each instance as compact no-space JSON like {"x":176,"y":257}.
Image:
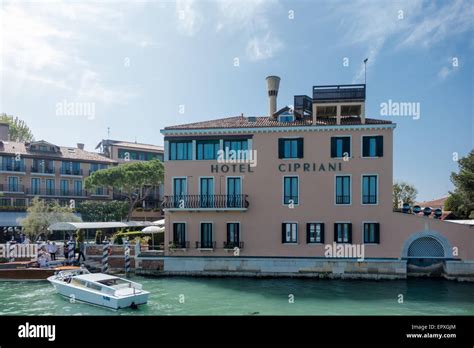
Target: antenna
{"x":365,"y":70}
{"x":108,"y":132}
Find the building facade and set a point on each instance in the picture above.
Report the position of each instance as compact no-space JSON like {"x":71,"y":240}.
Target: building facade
{"x":290,"y":186}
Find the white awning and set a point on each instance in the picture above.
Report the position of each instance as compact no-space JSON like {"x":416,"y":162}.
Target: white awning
{"x":72,"y":226}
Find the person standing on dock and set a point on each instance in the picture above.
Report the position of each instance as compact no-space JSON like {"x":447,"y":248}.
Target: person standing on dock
{"x":81,"y":251}
{"x":52,"y":248}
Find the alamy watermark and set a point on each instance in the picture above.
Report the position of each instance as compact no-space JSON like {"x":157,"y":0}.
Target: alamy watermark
{"x":76,"y":109}
{"x":19,"y":250}
{"x":345,"y":250}
{"x":237,"y":156}
{"x":406,"y":109}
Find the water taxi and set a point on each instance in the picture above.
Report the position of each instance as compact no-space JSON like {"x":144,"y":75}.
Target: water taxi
{"x":99,"y":289}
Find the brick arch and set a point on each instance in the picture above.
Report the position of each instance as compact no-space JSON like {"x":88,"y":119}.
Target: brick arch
{"x":435,"y":245}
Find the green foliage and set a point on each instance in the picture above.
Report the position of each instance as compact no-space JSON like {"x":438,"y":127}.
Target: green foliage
{"x":461,"y":201}
{"x":42,"y":214}
{"x":406,"y":193}
{"x":80,"y":236}
{"x":134,"y":180}
{"x":19,"y":131}
{"x":99,"y":211}
{"x":98,"y":237}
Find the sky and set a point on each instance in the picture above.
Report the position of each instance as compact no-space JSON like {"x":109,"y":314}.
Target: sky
{"x":81,"y":71}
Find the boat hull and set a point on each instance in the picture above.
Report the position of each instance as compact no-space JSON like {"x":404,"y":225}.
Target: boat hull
{"x":98,"y":299}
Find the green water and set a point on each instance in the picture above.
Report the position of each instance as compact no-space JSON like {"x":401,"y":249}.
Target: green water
{"x":242,"y":296}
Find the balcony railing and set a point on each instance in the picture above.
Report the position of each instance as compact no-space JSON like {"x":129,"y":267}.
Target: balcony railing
{"x":369,"y":199}
{"x":68,"y":171}
{"x":12,"y":188}
{"x":15,"y":166}
{"x":53,"y":192}
{"x":338,"y":92}
{"x":196,"y":202}
{"x":232,"y":245}
{"x":290,"y":199}
{"x":343,"y":199}
{"x":42,"y":170}
{"x":180,"y":245}
{"x":206,"y":245}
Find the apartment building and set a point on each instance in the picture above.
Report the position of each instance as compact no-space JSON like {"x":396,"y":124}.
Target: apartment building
{"x":287,"y":185}
{"x":125,"y":152}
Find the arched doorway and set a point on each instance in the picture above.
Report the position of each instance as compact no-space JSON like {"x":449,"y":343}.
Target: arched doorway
{"x":426,"y":252}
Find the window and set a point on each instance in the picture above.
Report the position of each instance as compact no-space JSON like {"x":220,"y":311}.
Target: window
{"x":19,"y":202}
{"x":207,"y":149}
{"x":50,"y":186}
{"x":206,"y":196}
{"x":371,"y":232}
{"x":180,"y":150}
{"x":315,"y":232}
{"x":234,"y":192}
{"x":13,"y":184}
{"x":372,"y":146}
{"x":35,"y":186}
{"x":290,"y":190}
{"x":206,"y":235}
{"x":369,"y":189}
{"x":290,"y":148}
{"x":343,"y":189}
{"x":340,"y":147}
{"x":233,"y":235}
{"x":78,"y":188}
{"x":343,"y":232}
{"x":179,"y":191}
{"x":71,"y":168}
{"x":286,"y":118}
{"x":289,"y":232}
{"x":236,"y":145}
{"x":179,"y":234}
{"x":64,"y":187}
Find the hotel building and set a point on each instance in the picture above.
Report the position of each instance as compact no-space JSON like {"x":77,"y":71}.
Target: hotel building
{"x":45,"y":170}
{"x":320,"y":173}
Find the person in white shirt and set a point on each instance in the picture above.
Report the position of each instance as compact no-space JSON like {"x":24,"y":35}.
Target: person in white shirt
{"x":52,"y":249}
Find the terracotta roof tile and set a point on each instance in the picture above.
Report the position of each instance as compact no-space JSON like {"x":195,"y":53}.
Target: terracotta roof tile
{"x":265,"y":121}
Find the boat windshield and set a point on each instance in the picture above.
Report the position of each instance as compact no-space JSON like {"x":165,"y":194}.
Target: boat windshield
{"x":113,"y":282}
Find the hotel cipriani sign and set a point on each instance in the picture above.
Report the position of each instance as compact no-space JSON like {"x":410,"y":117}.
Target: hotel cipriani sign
{"x":245,"y":161}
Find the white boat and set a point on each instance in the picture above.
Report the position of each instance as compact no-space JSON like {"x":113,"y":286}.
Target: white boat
{"x":99,"y":289}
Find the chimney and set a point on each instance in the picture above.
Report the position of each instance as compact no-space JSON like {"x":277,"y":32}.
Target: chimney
{"x":80,"y":146}
{"x":4,"y":131}
{"x":273,"y":83}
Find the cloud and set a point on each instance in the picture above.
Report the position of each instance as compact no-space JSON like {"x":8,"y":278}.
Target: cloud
{"x":41,"y":45}
{"x":189,"y":18}
{"x":260,"y":48}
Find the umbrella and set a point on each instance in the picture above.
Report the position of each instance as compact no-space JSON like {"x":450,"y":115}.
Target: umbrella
{"x":159,"y":222}
{"x":154,"y":229}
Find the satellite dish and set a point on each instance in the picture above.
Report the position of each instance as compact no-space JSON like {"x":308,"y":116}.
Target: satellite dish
{"x":416,"y":209}
{"x":427,"y":211}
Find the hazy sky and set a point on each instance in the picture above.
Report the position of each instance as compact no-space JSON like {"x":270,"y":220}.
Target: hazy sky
{"x":136,"y":65}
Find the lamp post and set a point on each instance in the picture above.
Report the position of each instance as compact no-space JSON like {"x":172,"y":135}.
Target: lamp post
{"x":365,"y":70}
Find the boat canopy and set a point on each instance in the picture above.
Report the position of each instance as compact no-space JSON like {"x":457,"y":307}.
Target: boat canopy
{"x":96,"y":277}
{"x":73,"y":226}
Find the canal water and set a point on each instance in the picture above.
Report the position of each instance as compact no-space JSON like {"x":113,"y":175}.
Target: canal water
{"x":245,"y":296}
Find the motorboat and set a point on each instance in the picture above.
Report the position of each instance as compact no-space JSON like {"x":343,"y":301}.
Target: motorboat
{"x":29,"y":270}
{"x":99,"y":289}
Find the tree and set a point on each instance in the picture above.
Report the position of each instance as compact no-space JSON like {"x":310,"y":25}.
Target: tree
{"x":18,"y":131}
{"x":403,"y":192}
{"x":461,"y":201}
{"x":133,"y":181}
{"x":103,"y":211}
{"x":42,"y":214}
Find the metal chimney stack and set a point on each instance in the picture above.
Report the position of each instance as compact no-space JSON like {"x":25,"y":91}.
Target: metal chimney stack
{"x":273,"y":84}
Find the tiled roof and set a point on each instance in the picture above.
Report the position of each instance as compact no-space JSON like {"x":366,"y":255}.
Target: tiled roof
{"x":434,"y":203}
{"x":65,"y":153}
{"x":130,"y":144}
{"x":265,"y":121}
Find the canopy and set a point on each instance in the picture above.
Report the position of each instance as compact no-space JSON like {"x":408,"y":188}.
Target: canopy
{"x":154,"y":229}
{"x":72,"y":226}
{"x":159,"y":222}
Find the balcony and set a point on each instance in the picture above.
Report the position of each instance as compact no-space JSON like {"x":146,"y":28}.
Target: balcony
{"x":68,"y":171}
{"x":37,"y":170}
{"x":343,"y":199}
{"x":205,"y":202}
{"x":12,"y":188}
{"x":15,"y":166}
{"x":369,"y":199}
{"x":334,"y":93}
{"x":179,"y":245}
{"x":53,"y":192}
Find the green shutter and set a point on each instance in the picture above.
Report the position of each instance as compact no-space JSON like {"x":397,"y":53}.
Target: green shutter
{"x":365,"y":146}
{"x":281,"y":148}
{"x":350,"y":233}
{"x":300,"y":148}
{"x":333,"y":147}
{"x":322,"y":233}
{"x":346,"y":146}
{"x":377,"y":233}
{"x":308,"y":225}
{"x":379,"y":146}
{"x":283,"y":232}
{"x":335,"y":232}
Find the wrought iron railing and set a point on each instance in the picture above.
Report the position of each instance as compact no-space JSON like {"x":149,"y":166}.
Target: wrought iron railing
{"x":205,"y":202}
{"x":339,"y":92}
{"x":205,"y":245}
{"x":232,"y":245}
{"x":343,"y":199}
